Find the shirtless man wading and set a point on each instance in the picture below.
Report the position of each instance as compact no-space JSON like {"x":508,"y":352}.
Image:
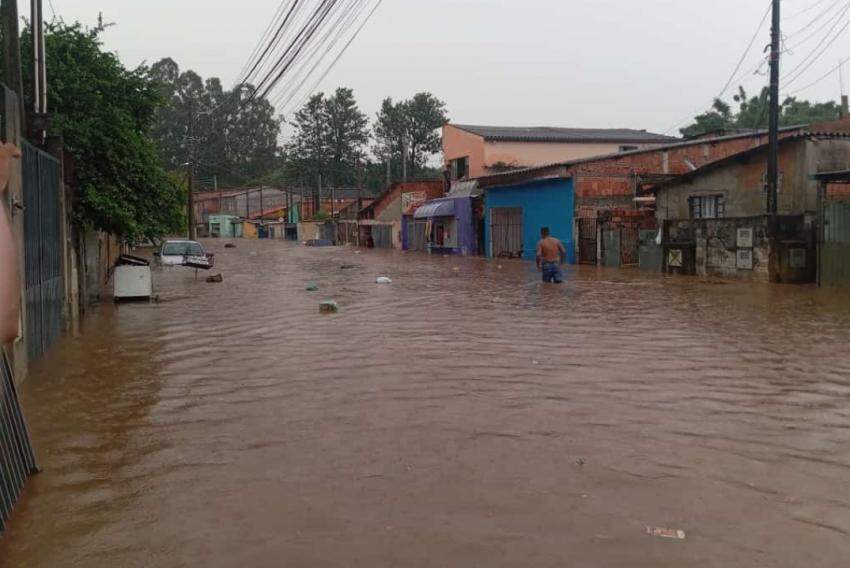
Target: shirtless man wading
{"x":550,"y":254}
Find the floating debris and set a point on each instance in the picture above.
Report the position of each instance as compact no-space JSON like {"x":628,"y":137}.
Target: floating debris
{"x":383,"y":280}
{"x":230,"y":246}
{"x":328,"y":307}
{"x":215,"y":279}
{"x":312,"y":287}
{"x":665,"y":533}
{"x":347,"y":267}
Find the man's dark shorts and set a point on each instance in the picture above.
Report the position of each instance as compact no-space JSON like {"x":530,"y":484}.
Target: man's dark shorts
{"x":552,"y":272}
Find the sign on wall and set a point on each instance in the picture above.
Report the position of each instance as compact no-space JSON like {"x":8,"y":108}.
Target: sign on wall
{"x":745,"y":259}
{"x":411,"y":201}
{"x":745,"y":238}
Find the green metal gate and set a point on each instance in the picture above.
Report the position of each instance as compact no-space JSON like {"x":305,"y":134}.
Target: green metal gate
{"x":834,"y":262}
{"x":42,"y":186}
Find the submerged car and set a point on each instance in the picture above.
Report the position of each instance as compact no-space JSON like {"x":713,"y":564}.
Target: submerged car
{"x":185,"y":253}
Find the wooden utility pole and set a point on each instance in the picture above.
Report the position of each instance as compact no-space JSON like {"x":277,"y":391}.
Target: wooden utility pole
{"x":12,"y":55}
{"x":773,"y":134}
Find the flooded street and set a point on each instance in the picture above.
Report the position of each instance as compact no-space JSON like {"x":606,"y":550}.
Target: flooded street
{"x":465,"y":415}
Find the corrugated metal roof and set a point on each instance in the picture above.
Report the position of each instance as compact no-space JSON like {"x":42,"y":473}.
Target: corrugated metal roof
{"x":555,"y":134}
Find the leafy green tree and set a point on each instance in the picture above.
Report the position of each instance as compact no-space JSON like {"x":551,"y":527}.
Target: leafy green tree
{"x":309,"y":153}
{"x":752,"y":114}
{"x":234,"y":134}
{"x":409,"y":128}
{"x":426,"y":115}
{"x":104,"y":113}
{"x":347,"y":132}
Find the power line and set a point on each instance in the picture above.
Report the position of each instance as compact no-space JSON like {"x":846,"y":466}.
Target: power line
{"x":733,"y":75}
{"x":821,"y":78}
{"x":804,"y":10}
{"x":814,"y":32}
{"x":273,"y":42}
{"x":294,"y":48}
{"x":266,"y":35}
{"x":344,"y":49}
{"x":808,"y":61}
{"x":746,"y":52}
{"x":346,"y":20}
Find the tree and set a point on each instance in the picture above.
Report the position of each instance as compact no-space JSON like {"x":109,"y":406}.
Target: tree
{"x":389,"y":133}
{"x":347,"y":135}
{"x":752,"y":114}
{"x":409,"y":128}
{"x":308,"y":154}
{"x":426,"y":115}
{"x":104,"y":114}
{"x":235,"y":134}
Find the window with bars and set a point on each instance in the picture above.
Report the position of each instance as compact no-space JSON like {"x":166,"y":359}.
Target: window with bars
{"x":707,"y":207}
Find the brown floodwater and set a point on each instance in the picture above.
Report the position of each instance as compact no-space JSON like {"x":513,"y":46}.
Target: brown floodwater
{"x":465,"y":415}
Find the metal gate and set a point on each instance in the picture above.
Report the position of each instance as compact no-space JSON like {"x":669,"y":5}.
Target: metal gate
{"x":588,"y":233}
{"x":42,"y":186}
{"x":834,"y":263}
{"x":629,"y":245}
{"x":382,"y":236}
{"x":506,"y":232}
{"x":417,"y":239}
{"x":17,"y":460}
{"x":620,"y":246}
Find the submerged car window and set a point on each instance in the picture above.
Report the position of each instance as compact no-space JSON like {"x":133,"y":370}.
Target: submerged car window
{"x":182,"y":249}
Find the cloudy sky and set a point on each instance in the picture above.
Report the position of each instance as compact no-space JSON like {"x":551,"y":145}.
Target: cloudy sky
{"x":584,"y":63}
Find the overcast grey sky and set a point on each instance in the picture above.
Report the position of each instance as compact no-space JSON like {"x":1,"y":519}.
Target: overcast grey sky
{"x":583,"y":63}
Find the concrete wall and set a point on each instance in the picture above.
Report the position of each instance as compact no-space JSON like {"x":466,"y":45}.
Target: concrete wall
{"x":546,"y":203}
{"x":485,"y":155}
{"x":741,"y":183}
{"x":716,"y":246}
{"x":531,"y":154}
{"x":459,"y":144}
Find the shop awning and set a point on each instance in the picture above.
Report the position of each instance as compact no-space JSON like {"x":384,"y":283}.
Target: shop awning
{"x":441,"y":208}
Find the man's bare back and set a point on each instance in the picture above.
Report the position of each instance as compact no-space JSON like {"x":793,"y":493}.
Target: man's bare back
{"x":550,"y":249}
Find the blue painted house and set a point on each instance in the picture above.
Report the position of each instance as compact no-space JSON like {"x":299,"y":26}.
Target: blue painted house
{"x":514,"y":214}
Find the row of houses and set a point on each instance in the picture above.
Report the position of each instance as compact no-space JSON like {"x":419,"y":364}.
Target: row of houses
{"x":685,"y":206}
{"x":615,"y":198}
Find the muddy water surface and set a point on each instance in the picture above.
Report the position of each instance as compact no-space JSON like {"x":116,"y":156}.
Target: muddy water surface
{"x":463,"y":416}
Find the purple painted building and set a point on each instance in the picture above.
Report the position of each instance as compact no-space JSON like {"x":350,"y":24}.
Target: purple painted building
{"x":443,"y":226}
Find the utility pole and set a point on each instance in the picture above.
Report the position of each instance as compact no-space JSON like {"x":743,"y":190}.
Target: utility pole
{"x":773,"y":135}
{"x":389,"y":172}
{"x":12,"y":55}
{"x":404,"y":159}
{"x":317,"y":198}
{"x":190,"y":175}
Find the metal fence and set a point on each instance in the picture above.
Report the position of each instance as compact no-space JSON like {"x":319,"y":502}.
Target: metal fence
{"x":42,"y":186}
{"x":506,"y":232}
{"x":17,"y":459}
{"x":834,"y":264}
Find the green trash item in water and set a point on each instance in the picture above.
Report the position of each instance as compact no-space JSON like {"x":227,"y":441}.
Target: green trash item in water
{"x":328,"y":307}
{"x":312,"y":287}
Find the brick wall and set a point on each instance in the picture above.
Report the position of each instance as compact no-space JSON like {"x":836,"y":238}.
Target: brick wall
{"x":611,"y":182}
